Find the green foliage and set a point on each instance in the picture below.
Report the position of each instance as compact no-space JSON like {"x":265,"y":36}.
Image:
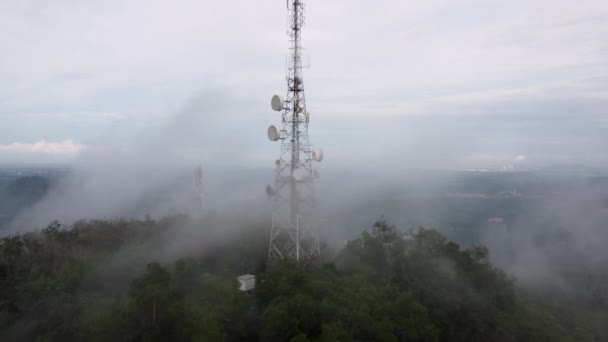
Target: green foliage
{"x":63,"y":284}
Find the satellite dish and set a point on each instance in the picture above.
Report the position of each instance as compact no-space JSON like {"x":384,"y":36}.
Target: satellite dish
{"x":270,"y":191}
{"x":317,"y":155}
{"x":298,"y":174}
{"x":274,"y":133}
{"x":277,"y":103}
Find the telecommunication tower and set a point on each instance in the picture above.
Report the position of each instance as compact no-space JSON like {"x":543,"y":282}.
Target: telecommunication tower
{"x":199,"y":186}
{"x":293,"y":232}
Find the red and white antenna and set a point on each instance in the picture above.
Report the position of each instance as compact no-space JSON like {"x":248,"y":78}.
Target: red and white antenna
{"x":293,"y":232}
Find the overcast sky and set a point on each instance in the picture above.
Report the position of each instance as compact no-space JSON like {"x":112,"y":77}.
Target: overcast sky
{"x":432,"y":84}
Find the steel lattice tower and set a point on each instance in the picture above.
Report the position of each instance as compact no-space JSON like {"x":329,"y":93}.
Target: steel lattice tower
{"x":199,"y":186}
{"x":293,"y":233}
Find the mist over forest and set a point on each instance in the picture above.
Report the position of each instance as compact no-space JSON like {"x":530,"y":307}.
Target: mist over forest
{"x":451,"y":154}
{"x":545,"y":231}
{"x":108,"y":239}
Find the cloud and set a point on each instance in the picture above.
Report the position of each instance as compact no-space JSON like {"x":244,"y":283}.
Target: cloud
{"x":87,"y":116}
{"x":521,"y":157}
{"x":533,"y":68}
{"x":46,"y":147}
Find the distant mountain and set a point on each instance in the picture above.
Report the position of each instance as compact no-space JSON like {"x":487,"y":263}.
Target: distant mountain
{"x":32,"y":187}
{"x":19,"y":194}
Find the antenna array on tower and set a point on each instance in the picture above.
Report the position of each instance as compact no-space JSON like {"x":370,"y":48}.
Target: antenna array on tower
{"x":293,"y":233}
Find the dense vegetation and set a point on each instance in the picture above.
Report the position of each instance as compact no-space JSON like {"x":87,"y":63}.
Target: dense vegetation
{"x":98,"y":281}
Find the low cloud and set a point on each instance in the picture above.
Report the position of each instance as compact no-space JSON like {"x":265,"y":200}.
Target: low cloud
{"x":47,"y":147}
{"x":520,"y":158}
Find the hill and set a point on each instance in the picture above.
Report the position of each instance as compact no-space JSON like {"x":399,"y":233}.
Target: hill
{"x":117,"y":280}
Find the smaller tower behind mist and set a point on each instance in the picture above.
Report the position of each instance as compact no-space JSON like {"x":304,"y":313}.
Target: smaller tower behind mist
{"x":199,"y":188}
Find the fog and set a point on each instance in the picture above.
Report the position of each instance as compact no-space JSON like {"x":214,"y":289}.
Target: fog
{"x":484,"y":121}
{"x":153,"y":173}
{"x":558,"y":244}
{"x":554,"y":240}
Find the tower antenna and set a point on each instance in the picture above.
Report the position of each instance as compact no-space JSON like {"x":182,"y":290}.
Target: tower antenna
{"x":293,"y":233}
{"x":199,"y":187}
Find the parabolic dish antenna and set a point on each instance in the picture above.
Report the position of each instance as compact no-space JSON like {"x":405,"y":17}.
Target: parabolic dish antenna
{"x":270,"y":191}
{"x":277,"y":103}
{"x":274,"y":133}
{"x":317,"y":155}
{"x":299,"y":174}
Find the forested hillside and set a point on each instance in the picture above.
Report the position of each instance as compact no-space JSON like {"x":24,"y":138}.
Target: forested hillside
{"x":112,"y":281}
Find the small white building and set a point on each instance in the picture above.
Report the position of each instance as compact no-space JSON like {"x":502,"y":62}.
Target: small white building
{"x":246,"y":282}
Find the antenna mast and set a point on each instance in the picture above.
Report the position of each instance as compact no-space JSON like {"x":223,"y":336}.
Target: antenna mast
{"x":199,"y":187}
{"x":292,"y":233}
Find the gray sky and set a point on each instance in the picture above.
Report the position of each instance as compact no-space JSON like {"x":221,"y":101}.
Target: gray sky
{"x":448,"y":84}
